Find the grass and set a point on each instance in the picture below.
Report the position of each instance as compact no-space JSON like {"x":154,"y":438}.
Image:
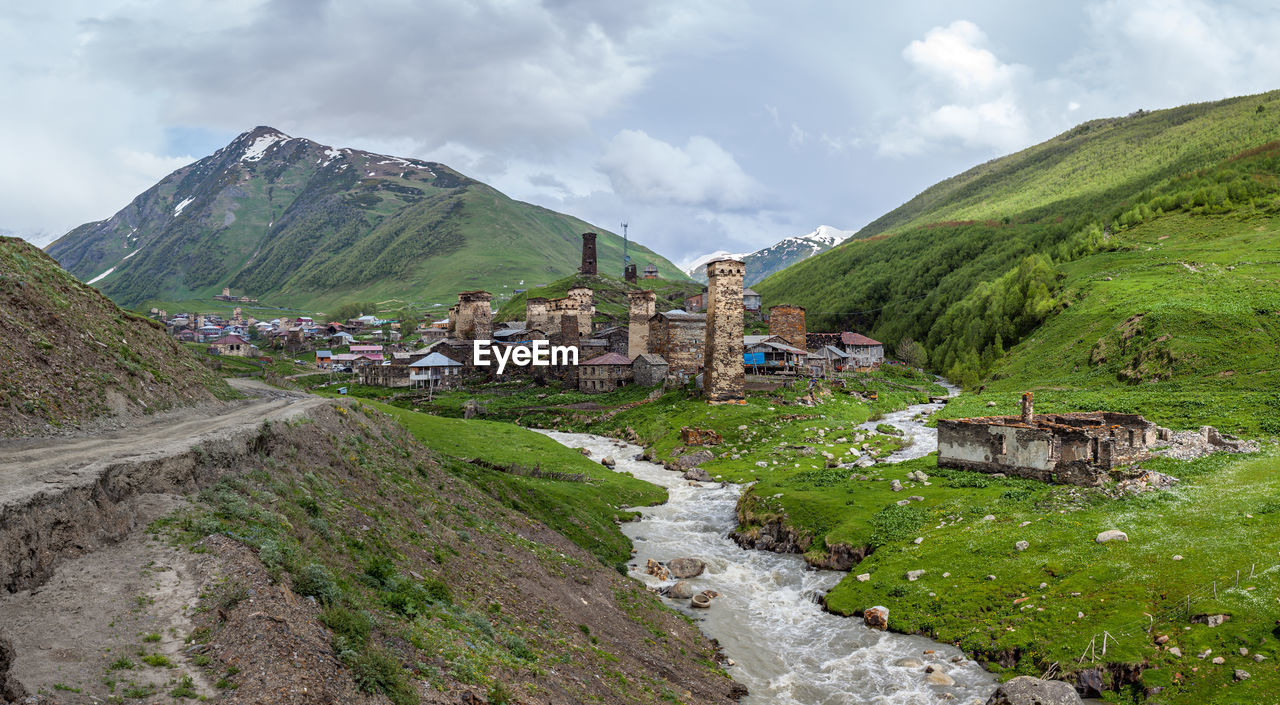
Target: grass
{"x":585,"y":512}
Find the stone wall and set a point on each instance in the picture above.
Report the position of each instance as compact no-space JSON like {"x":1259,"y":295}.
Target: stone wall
{"x":649,"y":373}
{"x":582,"y":301}
{"x":642,"y":305}
{"x":679,"y":338}
{"x":725,"y":378}
{"x":588,"y":254}
{"x":787,"y":322}
{"x":537,"y":315}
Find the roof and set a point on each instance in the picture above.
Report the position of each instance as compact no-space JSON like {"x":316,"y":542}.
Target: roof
{"x":230,"y":340}
{"x":785,"y":348}
{"x":651,"y":359}
{"x":828,"y":352}
{"x":749,"y":292}
{"x":757,"y":339}
{"x":612,"y":358}
{"x":676,"y":314}
{"x":435,"y":359}
{"x":857,"y":339}
{"x":324,"y":353}
{"x":366,"y":348}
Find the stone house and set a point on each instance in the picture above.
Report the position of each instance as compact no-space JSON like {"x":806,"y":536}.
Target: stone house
{"x":649,"y":369}
{"x":233,"y":345}
{"x":680,"y":338}
{"x":604,"y":373}
{"x":750,"y":301}
{"x":616,"y":339}
{"x":863,"y":351}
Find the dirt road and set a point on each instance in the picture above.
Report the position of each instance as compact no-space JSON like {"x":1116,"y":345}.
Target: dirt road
{"x":32,"y":466}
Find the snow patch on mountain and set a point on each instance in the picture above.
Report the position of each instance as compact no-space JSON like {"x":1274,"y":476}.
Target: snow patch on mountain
{"x":178,"y":208}
{"x":100,"y":277}
{"x":698,"y":265}
{"x":260,"y":145}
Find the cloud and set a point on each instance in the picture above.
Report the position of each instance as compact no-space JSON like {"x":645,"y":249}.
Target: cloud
{"x":700,"y":174}
{"x":968,"y":96}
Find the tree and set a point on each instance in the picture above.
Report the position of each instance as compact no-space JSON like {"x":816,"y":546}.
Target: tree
{"x":912,"y":353}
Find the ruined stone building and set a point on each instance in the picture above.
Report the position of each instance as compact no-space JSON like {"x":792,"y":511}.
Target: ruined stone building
{"x":604,"y":373}
{"x":588,"y":254}
{"x":582,"y":299}
{"x":787,"y":322}
{"x":474,"y":318}
{"x":629,"y":274}
{"x":537,"y":315}
{"x":1074,"y":449}
{"x":679,"y":338}
{"x":641,"y":306}
{"x":615,"y":338}
{"x":724,"y":381}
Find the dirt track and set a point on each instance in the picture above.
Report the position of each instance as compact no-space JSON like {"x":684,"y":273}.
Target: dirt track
{"x":32,"y":466}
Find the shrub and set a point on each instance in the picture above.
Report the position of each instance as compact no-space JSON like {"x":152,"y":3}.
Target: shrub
{"x":314,"y":580}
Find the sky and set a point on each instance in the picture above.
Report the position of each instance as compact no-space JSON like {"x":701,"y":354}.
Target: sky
{"x":705,"y":125}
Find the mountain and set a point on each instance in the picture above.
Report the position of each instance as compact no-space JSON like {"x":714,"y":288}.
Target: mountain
{"x":777,"y":256}
{"x":1124,"y":264}
{"x":296,"y":223}
{"x":72,"y":356}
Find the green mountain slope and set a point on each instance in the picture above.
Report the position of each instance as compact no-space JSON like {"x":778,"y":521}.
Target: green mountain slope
{"x":296,"y":223}
{"x":970,"y":290}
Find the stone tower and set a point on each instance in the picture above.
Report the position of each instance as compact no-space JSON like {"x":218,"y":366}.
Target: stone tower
{"x":537,"y":315}
{"x":724,"y":378}
{"x":588,"y":254}
{"x":569,"y":331}
{"x":475,"y":318}
{"x":787,"y":322}
{"x":643,"y":304}
{"x":584,"y":300}
{"x":629,"y":273}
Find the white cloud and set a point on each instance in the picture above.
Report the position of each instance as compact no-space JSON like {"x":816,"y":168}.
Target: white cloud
{"x":968,"y":95}
{"x":700,"y":174}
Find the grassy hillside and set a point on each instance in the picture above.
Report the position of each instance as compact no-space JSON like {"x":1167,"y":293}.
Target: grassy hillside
{"x":71,"y":356}
{"x":298,"y":224}
{"x":610,"y":295}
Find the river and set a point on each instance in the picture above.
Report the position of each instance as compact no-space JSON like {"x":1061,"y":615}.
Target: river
{"x":785,"y":648}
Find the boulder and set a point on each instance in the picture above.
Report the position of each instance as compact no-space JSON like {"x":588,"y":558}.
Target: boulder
{"x":690,"y":460}
{"x":864,"y":577}
{"x":1210,"y":620}
{"x":1240,"y":675}
{"x":682,"y":568}
{"x":1089,"y":683}
{"x":699,"y":437}
{"x":608,"y":461}
{"x":876,"y":617}
{"x":697,"y":474}
{"x":939,"y":678}
{"x":914,"y":575}
{"x":1022,"y":545}
{"x":657,"y":570}
{"x":909,"y":663}
{"x":682,"y":590}
{"x":1112,"y":535}
{"x":1025,"y":690}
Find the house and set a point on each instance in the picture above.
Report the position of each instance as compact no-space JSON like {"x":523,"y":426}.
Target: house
{"x":616,"y":338}
{"x":650,"y":271}
{"x":750,"y":300}
{"x":770,"y":354}
{"x":696,"y":303}
{"x":233,"y":345}
{"x":604,"y":373}
{"x":324,"y":358}
{"x":649,"y":369}
{"x":863,"y":351}
{"x":680,"y":338}
{"x":342,"y":338}
{"x":434,"y":371}
{"x":827,"y":361}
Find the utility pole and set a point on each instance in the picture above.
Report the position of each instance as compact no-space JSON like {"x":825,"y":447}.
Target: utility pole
{"x":626,"y":258}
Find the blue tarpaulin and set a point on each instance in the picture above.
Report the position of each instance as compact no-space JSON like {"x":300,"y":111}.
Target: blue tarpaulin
{"x":756,"y":358}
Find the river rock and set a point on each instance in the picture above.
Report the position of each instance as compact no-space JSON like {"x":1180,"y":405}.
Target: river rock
{"x":876,"y":617}
{"x":909,"y":663}
{"x":939,"y":678}
{"x":682,"y":590}
{"x":682,"y":568}
{"x":608,"y":461}
{"x":657,"y":570}
{"x":698,"y":474}
{"x":1025,"y":690}
{"x":1112,"y":535}
{"x":690,"y":460}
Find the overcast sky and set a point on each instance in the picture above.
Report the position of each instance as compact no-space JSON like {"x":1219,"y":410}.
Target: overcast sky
{"x":707,"y":125}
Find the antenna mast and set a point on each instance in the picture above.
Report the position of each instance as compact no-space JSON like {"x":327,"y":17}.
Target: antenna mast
{"x":626,"y":258}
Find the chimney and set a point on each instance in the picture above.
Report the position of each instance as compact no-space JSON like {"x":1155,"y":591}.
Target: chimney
{"x":1028,"y":413}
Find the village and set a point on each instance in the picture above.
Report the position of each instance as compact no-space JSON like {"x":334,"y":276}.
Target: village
{"x":704,"y":341}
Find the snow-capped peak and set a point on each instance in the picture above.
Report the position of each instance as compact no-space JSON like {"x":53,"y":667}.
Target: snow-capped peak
{"x":261,"y":144}
{"x":827,"y":236}
{"x":696,"y":265}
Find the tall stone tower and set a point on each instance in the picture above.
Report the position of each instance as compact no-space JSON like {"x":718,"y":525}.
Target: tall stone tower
{"x":629,"y":273}
{"x":643,"y":304}
{"x":724,"y":378}
{"x":588,"y":254}
{"x":537,"y":315}
{"x":787,"y":322}
{"x":475,"y":318}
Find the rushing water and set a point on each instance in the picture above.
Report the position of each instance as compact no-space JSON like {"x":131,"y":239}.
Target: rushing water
{"x":786,"y":649}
